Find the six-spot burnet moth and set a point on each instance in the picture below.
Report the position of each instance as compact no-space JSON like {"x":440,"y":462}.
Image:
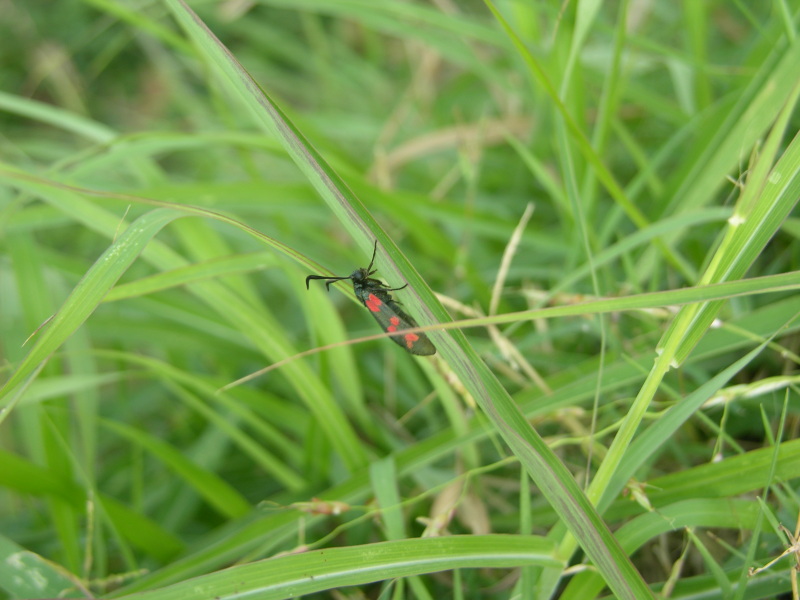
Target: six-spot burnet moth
{"x":374,"y":294}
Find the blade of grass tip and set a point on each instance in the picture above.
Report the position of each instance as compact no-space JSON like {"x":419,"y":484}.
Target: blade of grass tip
{"x":91,"y":290}
{"x":19,"y":392}
{"x":508,"y":256}
{"x":509,"y":351}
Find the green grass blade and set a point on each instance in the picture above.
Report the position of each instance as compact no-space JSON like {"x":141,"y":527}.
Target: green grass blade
{"x":89,"y":293}
{"x":24,"y":574}
{"x":320,"y":570}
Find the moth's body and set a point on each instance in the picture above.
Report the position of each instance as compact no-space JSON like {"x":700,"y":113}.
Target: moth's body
{"x":374,"y":294}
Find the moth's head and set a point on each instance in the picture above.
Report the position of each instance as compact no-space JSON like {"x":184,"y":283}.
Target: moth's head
{"x":359,"y":275}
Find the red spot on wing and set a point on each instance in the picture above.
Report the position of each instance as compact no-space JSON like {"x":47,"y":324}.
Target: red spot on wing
{"x":374,"y":303}
{"x":410,"y":339}
{"x":395,"y":321}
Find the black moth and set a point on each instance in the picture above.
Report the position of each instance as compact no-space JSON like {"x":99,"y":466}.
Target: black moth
{"x":374,"y":294}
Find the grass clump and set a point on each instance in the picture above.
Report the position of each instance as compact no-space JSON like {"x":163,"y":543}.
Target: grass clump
{"x":592,"y":206}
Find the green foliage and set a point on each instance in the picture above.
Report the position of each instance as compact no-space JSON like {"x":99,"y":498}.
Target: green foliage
{"x":615,"y":387}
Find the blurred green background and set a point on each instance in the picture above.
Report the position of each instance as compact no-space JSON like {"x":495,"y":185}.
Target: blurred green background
{"x":122,"y":466}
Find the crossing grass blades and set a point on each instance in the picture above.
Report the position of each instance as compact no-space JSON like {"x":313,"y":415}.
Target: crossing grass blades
{"x":374,"y":294}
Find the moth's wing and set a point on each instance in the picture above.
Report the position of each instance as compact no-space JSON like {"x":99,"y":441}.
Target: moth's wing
{"x":392,"y":318}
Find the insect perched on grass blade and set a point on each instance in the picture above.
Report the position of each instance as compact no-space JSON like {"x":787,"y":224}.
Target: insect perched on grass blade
{"x":374,"y":294}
